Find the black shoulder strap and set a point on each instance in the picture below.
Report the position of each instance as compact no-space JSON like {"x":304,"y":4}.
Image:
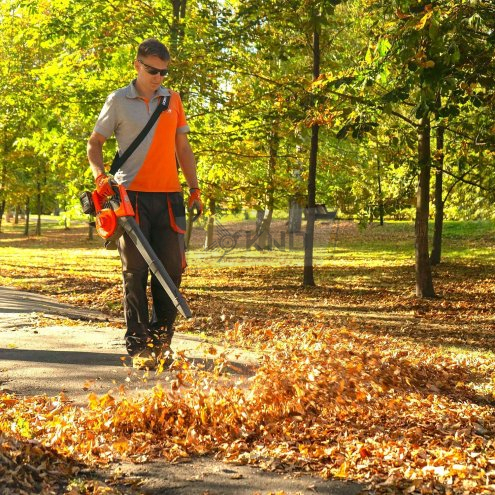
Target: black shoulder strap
{"x":118,"y":161}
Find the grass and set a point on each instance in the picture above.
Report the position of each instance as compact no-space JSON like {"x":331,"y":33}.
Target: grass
{"x":365,"y":276}
{"x":336,"y":244}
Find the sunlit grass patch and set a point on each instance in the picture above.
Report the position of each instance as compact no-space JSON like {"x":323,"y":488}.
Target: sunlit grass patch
{"x":361,"y":272}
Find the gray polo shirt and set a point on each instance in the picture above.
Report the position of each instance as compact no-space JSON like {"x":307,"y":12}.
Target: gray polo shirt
{"x":125,"y":114}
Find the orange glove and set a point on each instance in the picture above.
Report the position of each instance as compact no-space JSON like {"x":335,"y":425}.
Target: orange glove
{"x":104,"y":186}
{"x":194,"y":204}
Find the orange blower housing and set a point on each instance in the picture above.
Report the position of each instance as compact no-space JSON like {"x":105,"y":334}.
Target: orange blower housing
{"x":107,"y":213}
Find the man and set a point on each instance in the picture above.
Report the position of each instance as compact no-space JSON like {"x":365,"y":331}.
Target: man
{"x":151,"y":178}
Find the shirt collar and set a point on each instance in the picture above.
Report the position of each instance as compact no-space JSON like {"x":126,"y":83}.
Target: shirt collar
{"x":132,"y":93}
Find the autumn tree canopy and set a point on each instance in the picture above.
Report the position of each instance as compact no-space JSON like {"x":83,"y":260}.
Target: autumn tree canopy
{"x":402,"y":92}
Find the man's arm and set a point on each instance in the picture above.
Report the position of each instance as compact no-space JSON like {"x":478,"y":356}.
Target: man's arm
{"x":95,"y":153}
{"x":186,"y":159}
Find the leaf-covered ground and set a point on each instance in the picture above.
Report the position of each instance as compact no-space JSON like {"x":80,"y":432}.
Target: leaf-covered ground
{"x":358,"y":379}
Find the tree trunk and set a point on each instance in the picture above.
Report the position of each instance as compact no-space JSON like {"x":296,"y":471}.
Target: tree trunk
{"x":264,"y":240}
{"x":260,"y":215}
{"x":38,"y":208}
{"x":436,"y":252}
{"x":174,"y":30}
{"x":189,"y":228}
{"x":2,"y":211}
{"x":295,"y":215}
{"x":210,"y":226}
{"x":424,"y":280}
{"x":26,"y":224}
{"x":380,"y":195}
{"x":177,"y":31}
{"x":2,"y":190}
{"x":309,"y":235}
{"x":308,"y":276}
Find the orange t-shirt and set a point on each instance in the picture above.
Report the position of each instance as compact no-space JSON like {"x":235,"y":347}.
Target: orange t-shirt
{"x":158,"y":173}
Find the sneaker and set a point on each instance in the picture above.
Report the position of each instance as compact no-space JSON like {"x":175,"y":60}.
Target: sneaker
{"x":145,"y":360}
{"x":165,"y":356}
{"x":161,"y":339}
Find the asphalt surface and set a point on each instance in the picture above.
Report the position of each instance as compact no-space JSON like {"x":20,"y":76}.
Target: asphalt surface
{"x":86,"y":354}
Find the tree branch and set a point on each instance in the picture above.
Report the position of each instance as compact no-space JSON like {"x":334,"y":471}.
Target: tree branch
{"x":404,"y":118}
{"x":234,"y":153}
{"x":461,"y":178}
{"x":467,"y":136}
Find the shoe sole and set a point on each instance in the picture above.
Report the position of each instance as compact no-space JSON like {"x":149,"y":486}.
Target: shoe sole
{"x":143,"y":363}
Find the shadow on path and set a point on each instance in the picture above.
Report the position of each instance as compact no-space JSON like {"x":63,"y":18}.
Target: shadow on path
{"x":16,"y":301}
{"x":81,"y":358}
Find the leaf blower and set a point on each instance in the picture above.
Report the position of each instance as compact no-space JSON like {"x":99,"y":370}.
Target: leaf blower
{"x":113,"y":217}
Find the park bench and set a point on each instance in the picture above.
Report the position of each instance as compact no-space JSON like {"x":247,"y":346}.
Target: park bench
{"x":321,"y":213}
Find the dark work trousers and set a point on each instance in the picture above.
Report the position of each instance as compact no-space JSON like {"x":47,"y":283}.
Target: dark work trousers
{"x":161,"y":217}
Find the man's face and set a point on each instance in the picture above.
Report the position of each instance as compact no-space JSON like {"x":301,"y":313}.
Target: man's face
{"x":151,"y":71}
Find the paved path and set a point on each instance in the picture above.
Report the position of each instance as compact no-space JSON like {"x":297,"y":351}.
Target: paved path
{"x":79,"y":358}
{"x":89,"y":356}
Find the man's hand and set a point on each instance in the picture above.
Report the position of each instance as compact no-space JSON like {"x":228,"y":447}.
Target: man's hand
{"x":104,"y":186}
{"x":194,"y":204}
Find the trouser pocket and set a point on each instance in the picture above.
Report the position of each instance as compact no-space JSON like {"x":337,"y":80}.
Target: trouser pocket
{"x":177,"y":212}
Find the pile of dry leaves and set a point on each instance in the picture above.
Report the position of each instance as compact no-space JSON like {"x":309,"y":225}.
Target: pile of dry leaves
{"x":400,"y":418}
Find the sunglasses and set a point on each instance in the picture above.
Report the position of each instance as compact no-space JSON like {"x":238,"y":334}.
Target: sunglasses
{"x":153,"y":70}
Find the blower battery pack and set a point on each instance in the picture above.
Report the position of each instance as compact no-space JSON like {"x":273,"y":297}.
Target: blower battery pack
{"x":87,"y":203}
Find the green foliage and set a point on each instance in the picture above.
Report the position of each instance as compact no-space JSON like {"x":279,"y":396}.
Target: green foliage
{"x":244,"y":72}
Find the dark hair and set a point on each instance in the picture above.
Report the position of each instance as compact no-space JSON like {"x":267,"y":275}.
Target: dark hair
{"x":152,"y":46}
